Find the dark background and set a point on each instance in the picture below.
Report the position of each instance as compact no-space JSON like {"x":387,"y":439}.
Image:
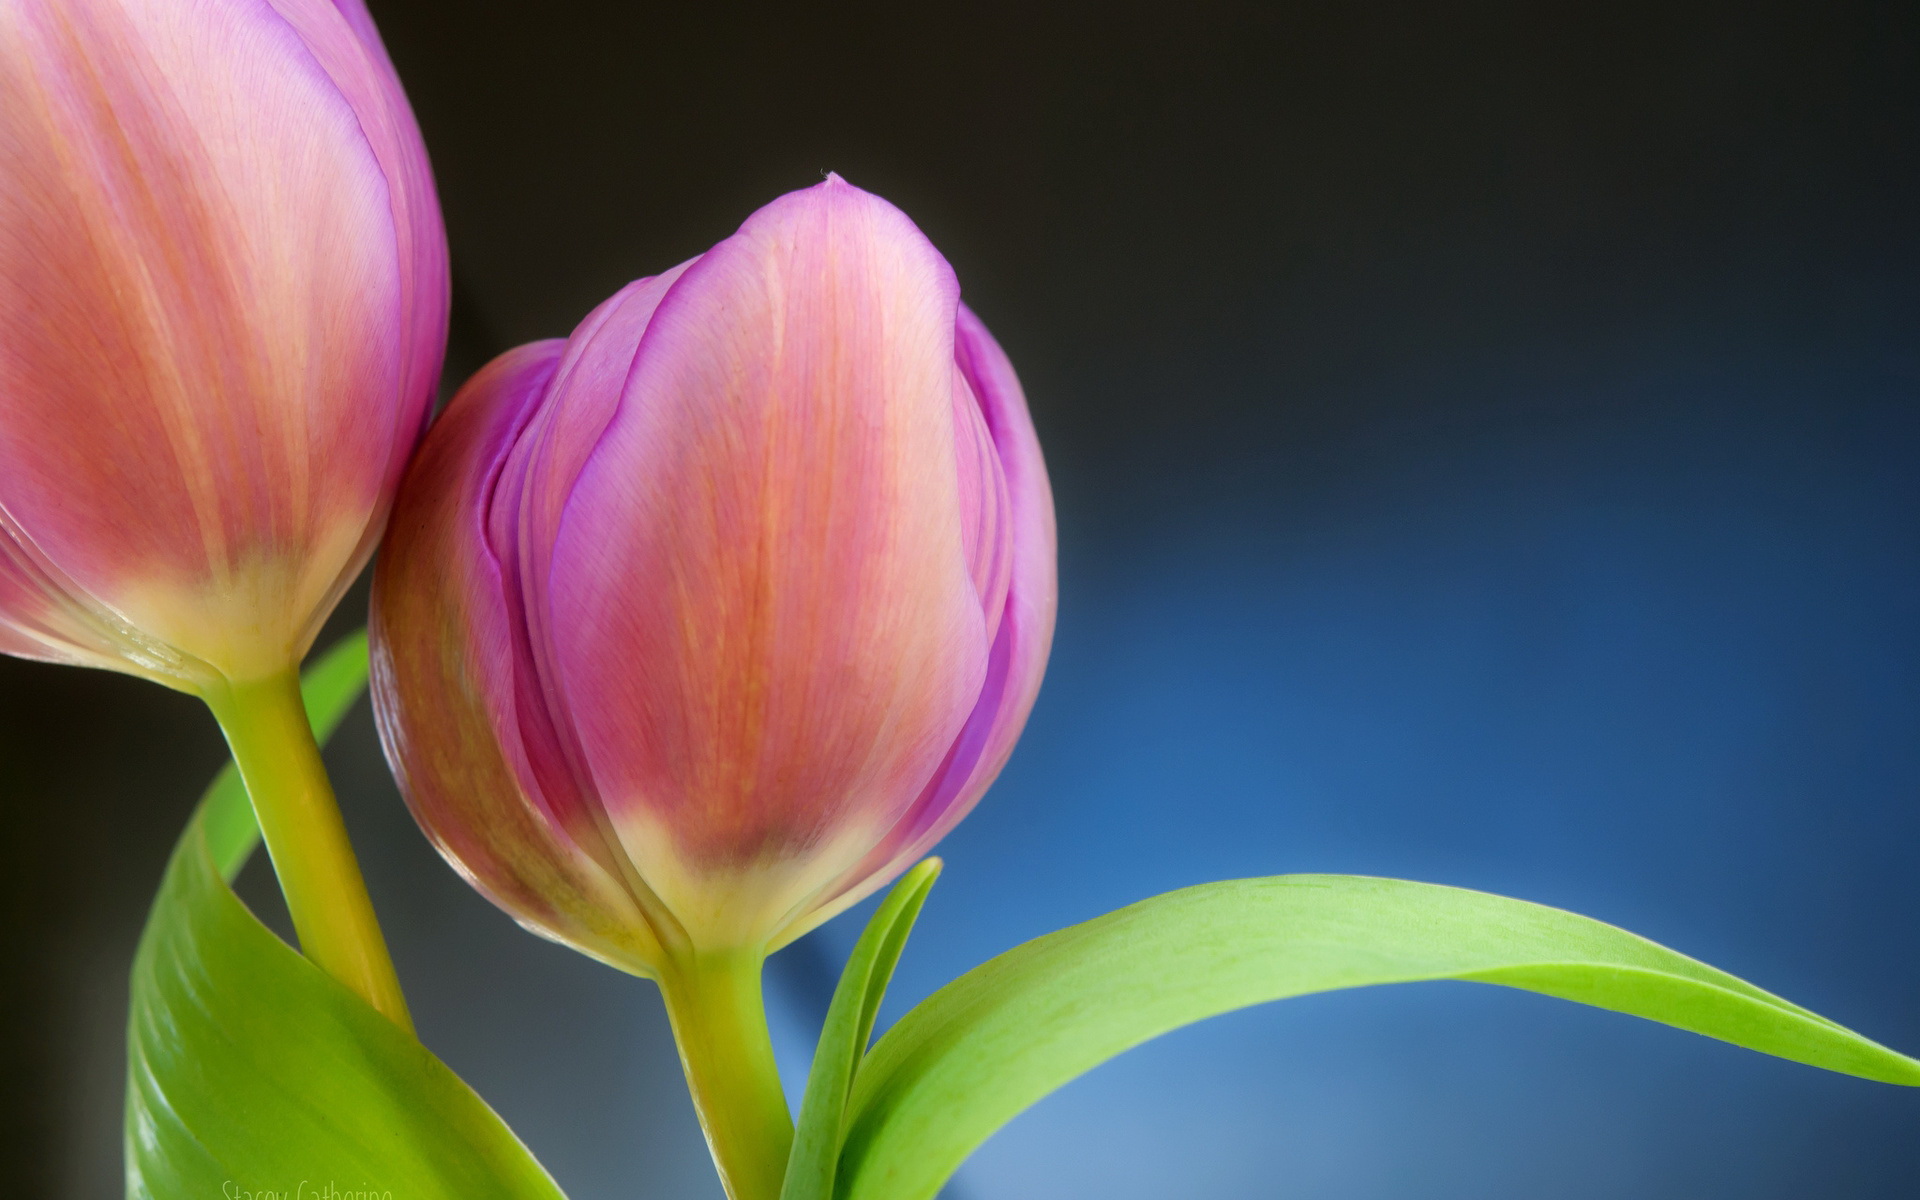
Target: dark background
{"x":1484,"y":441}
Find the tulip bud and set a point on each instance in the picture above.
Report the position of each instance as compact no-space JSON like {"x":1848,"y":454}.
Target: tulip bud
{"x":700,"y":626}
{"x":223,"y":300}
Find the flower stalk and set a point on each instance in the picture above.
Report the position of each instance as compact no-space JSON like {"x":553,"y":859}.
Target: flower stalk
{"x":266,"y":727}
{"x":720,"y":1024}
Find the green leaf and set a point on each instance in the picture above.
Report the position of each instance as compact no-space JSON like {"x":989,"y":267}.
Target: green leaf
{"x":986,"y":1046}
{"x":249,"y":1070}
{"x":843,"y":1039}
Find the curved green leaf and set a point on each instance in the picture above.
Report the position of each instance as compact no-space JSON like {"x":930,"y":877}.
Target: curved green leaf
{"x":844,"y":1037}
{"x":251,"y":1071}
{"x":986,"y":1046}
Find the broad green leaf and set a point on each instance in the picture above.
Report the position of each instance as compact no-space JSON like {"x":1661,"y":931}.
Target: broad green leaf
{"x":249,"y":1070}
{"x":844,"y":1037}
{"x":983,"y":1048}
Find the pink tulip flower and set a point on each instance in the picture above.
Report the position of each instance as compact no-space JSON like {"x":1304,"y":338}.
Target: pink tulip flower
{"x":696,"y":628}
{"x":223,"y":302}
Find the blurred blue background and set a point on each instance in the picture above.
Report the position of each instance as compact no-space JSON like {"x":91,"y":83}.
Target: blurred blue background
{"x":1484,"y":438}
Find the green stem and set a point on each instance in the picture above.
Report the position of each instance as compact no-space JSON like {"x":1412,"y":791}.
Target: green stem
{"x":272,"y":743}
{"x":720,"y":1023}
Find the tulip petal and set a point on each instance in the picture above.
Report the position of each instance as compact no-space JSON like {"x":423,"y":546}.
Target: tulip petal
{"x":1022,"y":642}
{"x":343,"y":40}
{"x":1033,"y":590}
{"x":536,"y":478}
{"x":984,"y":503}
{"x":44,"y":616}
{"x":771,"y":530}
{"x":198,"y":275}
{"x":444,"y":689}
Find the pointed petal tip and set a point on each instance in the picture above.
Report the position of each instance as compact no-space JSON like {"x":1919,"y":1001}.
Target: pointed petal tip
{"x":832,"y":192}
